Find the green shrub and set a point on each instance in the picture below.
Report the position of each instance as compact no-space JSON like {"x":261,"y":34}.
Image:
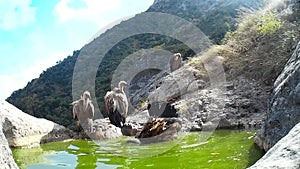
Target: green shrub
{"x":269,"y":24}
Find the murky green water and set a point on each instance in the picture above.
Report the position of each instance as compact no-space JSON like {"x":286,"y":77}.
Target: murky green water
{"x":224,"y":150}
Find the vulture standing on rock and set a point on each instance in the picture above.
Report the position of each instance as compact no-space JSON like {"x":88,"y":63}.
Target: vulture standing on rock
{"x":83,"y":110}
{"x":117,"y":105}
{"x":175,"y":62}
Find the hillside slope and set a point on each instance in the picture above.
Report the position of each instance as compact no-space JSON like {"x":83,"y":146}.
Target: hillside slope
{"x":252,"y":57}
{"x":215,"y":18}
{"x":49,"y":95}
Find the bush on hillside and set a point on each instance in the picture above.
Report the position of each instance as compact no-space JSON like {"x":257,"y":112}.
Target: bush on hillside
{"x":269,"y":24}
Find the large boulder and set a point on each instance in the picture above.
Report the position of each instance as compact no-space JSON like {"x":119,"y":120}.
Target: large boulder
{"x":6,"y":158}
{"x":285,"y":104}
{"x":284,"y":154}
{"x":23,"y":130}
{"x":102,"y":129}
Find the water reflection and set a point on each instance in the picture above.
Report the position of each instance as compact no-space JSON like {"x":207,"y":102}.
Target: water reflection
{"x":48,"y":157}
{"x":25,"y":157}
{"x":225,"y":149}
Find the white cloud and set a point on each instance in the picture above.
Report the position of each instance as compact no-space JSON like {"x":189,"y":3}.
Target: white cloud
{"x":93,"y":10}
{"x":15,"y":81}
{"x":15,"y":13}
{"x":42,"y":55}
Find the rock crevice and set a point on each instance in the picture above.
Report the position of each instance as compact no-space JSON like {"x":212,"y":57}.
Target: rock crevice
{"x":285,"y":108}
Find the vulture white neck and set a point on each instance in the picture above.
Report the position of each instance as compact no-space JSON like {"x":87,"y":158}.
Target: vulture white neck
{"x":121,"y":87}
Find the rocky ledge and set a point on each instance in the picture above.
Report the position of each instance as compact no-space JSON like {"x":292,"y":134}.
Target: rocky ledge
{"x":235,"y":104}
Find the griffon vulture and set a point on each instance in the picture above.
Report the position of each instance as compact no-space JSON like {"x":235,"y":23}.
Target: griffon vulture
{"x":117,"y":105}
{"x":83,"y":110}
{"x":175,"y":62}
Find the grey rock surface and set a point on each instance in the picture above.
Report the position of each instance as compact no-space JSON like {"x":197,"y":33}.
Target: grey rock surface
{"x":240,"y":106}
{"x":285,"y":105}
{"x":6,"y":158}
{"x":102,"y":129}
{"x":284,"y":154}
{"x":23,"y":130}
{"x":237,"y":104}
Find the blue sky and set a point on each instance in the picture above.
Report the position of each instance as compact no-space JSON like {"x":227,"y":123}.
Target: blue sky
{"x":35,"y":34}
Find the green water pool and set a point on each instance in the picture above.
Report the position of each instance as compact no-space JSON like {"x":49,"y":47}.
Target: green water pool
{"x":222,"y":149}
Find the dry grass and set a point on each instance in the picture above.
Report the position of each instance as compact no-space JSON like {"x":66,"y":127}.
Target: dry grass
{"x":219,"y":52}
{"x":258,"y":49}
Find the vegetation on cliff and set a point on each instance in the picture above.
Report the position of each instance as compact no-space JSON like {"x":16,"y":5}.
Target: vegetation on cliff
{"x":261,"y":45}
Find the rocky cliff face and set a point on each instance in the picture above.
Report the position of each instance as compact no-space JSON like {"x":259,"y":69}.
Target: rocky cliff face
{"x":246,"y":94}
{"x":285,"y":104}
{"x":236,"y":104}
